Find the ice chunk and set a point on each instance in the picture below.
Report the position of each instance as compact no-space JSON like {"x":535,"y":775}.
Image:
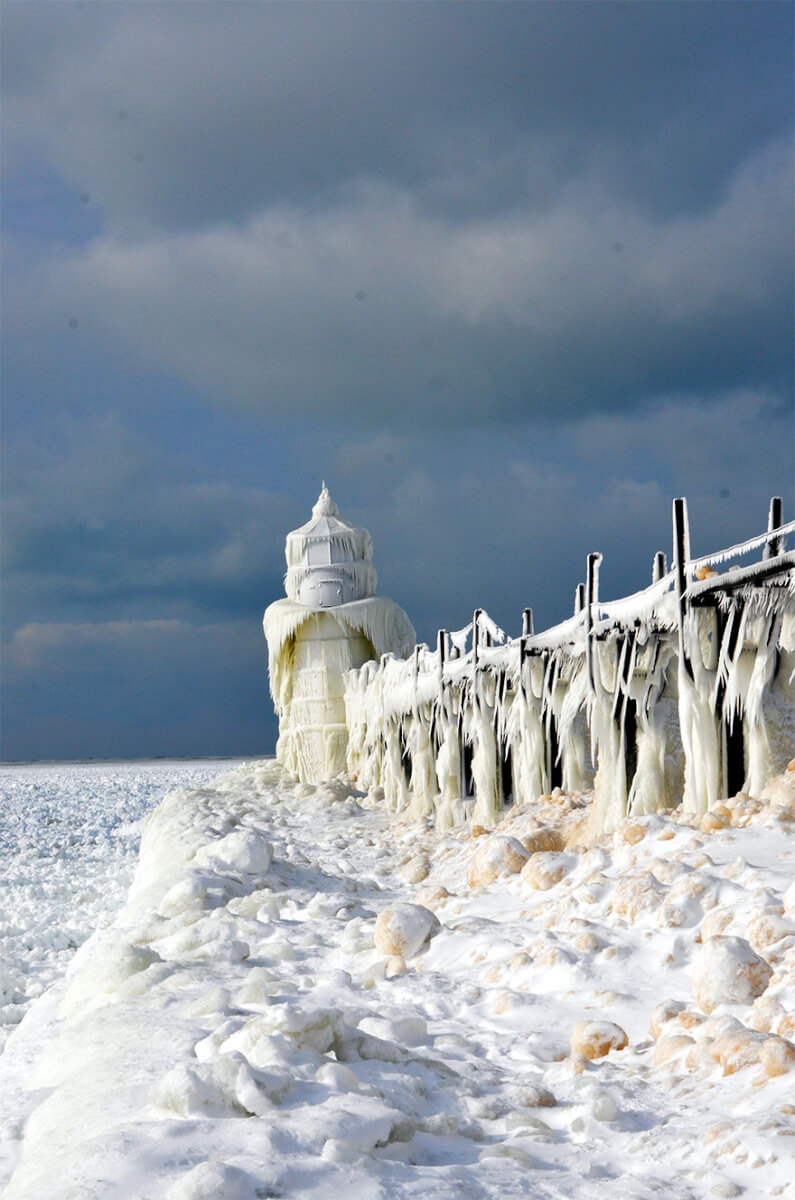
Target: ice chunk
{"x":213,"y":1181}
{"x":405,"y":929}
{"x":497,"y":855}
{"x":727,"y":971}
{"x":595,"y":1039}
{"x":244,"y":850}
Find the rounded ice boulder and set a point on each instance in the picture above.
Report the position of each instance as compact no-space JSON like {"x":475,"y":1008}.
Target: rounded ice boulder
{"x":595,"y":1039}
{"x":404,"y":929}
{"x":213,"y":1181}
{"x":498,"y":855}
{"x":727,"y":971}
{"x":545,"y":868}
{"x":243,"y":850}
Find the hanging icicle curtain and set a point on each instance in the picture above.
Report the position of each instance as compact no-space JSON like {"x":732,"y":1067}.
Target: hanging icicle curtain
{"x":685,"y":690}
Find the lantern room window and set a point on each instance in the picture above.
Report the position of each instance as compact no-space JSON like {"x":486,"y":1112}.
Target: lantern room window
{"x":318,"y":554}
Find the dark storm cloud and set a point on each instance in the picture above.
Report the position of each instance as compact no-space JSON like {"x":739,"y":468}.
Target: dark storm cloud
{"x":133,"y":596}
{"x":472,"y":518}
{"x":96,"y":527}
{"x":391,"y":211}
{"x":135,"y":689}
{"x":509,"y":275}
{"x":375,"y":310}
{"x":180,"y":115}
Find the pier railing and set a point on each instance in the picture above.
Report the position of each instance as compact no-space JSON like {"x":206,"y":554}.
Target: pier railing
{"x":674,"y":691}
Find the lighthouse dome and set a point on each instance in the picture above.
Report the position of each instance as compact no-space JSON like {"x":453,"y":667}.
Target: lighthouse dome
{"x":328,"y":560}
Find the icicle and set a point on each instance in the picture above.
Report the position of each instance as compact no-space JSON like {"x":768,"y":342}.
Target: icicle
{"x":698,"y":727}
{"x":531,"y":774}
{"x":484,"y":767}
{"x":424,"y":790}
{"x":572,"y":735}
{"x":657,"y":782}
{"x":610,"y":782}
{"x":442,"y":701}
{"x":760,"y":764}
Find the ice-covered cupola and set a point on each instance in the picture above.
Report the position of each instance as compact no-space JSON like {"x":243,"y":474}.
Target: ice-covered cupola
{"x":328,"y":560}
{"x":330,"y":622}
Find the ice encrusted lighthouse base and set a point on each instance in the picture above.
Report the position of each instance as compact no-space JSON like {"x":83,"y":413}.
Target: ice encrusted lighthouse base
{"x":329,"y":623}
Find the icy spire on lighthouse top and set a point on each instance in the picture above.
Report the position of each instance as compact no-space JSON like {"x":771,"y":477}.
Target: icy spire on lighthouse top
{"x":328,"y":560}
{"x":324,"y":506}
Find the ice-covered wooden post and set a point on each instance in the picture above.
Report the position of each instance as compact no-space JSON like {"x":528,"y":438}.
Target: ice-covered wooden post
{"x":610,"y":792}
{"x":441,"y":645}
{"x":448,"y":755}
{"x":482,"y":733}
{"x":774,"y":520}
{"x":591,"y":599}
{"x":659,"y":567}
{"x":698,"y":723}
{"x":330,"y":623}
{"x":475,"y":637}
{"x":681,"y":556}
{"x":530,"y":770}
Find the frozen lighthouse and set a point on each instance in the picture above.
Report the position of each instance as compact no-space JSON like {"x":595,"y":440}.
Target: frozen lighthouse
{"x":330,"y":622}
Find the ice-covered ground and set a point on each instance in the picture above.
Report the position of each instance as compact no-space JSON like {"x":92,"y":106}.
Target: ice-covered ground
{"x":69,"y":835}
{"x":303,"y":998}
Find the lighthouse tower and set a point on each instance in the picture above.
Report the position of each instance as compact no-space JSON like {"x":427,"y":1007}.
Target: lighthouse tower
{"x":330,"y":622}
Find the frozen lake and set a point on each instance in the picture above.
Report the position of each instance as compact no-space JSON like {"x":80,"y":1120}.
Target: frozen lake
{"x":69,"y":836}
{"x":239,"y":1029}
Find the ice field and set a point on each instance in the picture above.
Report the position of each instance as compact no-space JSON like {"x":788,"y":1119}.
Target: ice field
{"x":304,"y":997}
{"x":69,"y":835}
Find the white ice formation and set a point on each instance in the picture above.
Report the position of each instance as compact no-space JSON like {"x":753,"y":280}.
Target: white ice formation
{"x":277,"y":1011}
{"x":330,"y":622}
{"x":685,"y":690}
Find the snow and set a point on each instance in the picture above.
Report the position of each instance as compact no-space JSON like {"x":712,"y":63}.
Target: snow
{"x":69,"y":837}
{"x":236,"y":1032}
{"x":382,"y":622}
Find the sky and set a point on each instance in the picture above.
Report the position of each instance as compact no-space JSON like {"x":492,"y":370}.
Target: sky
{"x":508,"y":276}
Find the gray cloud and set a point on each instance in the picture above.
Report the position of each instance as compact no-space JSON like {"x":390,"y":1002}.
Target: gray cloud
{"x":95,"y":526}
{"x":588,"y":306}
{"x":181,"y":115}
{"x":135,"y":688}
{"x":133,"y":596}
{"x":509,"y":275}
{"x":464,"y":520}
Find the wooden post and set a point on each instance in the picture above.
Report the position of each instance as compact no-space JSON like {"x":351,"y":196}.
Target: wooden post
{"x":659,"y":567}
{"x":475,"y":635}
{"x":681,"y":556}
{"x":475,"y":646}
{"x":527,"y":632}
{"x":579,"y":598}
{"x":441,"y":645}
{"x":773,"y":546}
{"x":591,"y":598}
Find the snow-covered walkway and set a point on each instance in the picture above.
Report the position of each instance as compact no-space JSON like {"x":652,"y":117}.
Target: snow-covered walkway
{"x":236,"y":1034}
